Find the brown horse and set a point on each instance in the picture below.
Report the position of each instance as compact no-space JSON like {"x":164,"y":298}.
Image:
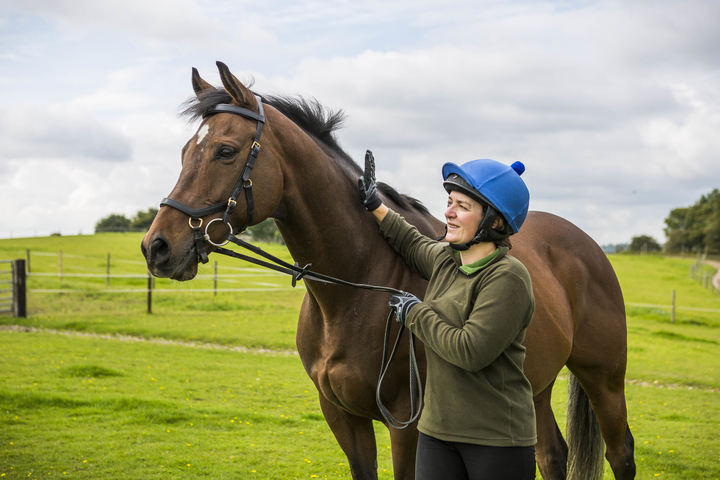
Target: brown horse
{"x":308,"y":185}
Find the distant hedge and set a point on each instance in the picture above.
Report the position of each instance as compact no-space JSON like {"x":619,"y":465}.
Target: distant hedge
{"x":265,"y":231}
{"x":120,"y":223}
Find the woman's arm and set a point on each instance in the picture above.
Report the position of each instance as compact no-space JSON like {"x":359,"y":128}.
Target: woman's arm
{"x":500,"y":312}
{"x":380,"y":212}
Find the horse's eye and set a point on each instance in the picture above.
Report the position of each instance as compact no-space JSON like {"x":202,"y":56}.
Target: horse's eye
{"x":223,"y":152}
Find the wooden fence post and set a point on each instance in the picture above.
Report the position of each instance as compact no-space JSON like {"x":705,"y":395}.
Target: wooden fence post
{"x":215,"y":280}
{"x":59,"y":264}
{"x":28,"y":260}
{"x":107,"y":282}
{"x":149,"y":297}
{"x":19,"y":289}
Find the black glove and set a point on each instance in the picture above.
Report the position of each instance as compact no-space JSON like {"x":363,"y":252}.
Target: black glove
{"x":367,"y":186}
{"x":402,"y":305}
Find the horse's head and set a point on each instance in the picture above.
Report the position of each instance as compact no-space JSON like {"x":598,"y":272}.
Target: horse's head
{"x":215,"y":183}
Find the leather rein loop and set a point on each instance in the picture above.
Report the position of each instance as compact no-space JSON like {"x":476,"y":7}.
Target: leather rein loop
{"x":298,"y":273}
{"x":243,"y":182}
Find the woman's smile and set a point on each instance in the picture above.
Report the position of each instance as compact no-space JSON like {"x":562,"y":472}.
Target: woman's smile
{"x":463,"y":215}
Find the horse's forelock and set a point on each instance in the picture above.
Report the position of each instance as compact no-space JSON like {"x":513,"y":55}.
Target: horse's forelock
{"x":195,"y":107}
{"x":310,"y":115}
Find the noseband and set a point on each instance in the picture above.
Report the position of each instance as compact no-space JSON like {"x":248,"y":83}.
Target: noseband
{"x":243,"y":183}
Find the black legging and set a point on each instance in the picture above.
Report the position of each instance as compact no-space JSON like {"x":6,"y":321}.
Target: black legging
{"x":439,"y":460}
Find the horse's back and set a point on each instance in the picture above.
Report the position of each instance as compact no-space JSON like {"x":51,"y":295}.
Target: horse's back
{"x":579,"y":304}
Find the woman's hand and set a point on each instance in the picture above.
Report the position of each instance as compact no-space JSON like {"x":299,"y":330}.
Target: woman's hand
{"x":402,"y":304}
{"x":367,"y":185}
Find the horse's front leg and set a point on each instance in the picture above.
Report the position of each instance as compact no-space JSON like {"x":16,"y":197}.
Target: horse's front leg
{"x":404,"y":448}
{"x":356,"y":437}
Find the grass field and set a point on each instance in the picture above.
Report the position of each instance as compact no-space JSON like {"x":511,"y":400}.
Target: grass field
{"x":91,"y":386}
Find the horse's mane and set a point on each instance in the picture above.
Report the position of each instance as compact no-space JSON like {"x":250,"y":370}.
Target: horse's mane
{"x":309,"y":115}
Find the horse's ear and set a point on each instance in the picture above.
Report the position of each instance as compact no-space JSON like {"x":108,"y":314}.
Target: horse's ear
{"x":199,"y":85}
{"x":239,"y":92}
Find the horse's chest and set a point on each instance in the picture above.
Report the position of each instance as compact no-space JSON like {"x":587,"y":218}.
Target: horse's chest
{"x":339,"y":371}
{"x":340,"y":382}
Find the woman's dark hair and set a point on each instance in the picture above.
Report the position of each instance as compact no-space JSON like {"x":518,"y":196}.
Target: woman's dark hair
{"x":503,"y":242}
{"x":502,"y":225}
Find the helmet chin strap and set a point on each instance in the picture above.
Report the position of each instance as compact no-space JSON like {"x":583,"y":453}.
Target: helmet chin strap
{"x":485,"y":232}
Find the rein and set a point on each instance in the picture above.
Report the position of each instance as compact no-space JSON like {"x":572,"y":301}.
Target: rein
{"x":245,"y":183}
{"x":298,"y":273}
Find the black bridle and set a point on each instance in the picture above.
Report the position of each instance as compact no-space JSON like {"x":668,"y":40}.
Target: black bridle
{"x":243,"y":183}
{"x":297,"y":273}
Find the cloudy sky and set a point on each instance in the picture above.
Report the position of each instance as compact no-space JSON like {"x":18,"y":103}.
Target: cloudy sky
{"x":613,"y":106}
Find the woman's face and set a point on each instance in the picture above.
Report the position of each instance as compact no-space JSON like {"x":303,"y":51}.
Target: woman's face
{"x":463,"y":216}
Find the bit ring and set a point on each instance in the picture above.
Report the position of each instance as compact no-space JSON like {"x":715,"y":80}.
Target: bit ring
{"x":207,"y":236}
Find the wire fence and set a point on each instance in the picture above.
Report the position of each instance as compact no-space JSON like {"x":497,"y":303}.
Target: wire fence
{"x":72,"y":273}
{"x":71,"y":267}
{"x":249,"y":278}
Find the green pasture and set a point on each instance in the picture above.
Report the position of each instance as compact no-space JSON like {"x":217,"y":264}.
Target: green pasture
{"x":209,"y":386}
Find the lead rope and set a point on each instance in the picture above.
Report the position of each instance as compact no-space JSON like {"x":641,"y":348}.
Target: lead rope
{"x":298,"y":273}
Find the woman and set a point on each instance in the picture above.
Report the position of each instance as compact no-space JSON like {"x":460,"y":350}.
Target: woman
{"x":478,"y":421}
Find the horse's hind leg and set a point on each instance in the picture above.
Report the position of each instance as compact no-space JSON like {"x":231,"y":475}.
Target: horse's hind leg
{"x":606,"y":391}
{"x":356,"y":437}
{"x":551,"y":450}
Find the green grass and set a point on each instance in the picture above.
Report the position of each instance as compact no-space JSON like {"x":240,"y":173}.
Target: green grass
{"x":650,"y":280}
{"x":79,"y":400}
{"x":181,"y":311}
{"x":89,"y":407}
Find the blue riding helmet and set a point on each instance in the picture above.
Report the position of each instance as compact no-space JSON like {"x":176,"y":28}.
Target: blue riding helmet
{"x":492,"y":183}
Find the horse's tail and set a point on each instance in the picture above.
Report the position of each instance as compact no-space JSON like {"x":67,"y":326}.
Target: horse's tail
{"x":585,"y":443}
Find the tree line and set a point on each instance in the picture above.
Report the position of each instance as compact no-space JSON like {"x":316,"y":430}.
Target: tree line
{"x":265,"y":231}
{"x":688,"y":229}
{"x":696,"y":227}
{"x":120,"y":223}
{"x":693,"y":229}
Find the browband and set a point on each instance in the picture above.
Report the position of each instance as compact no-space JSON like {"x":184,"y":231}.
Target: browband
{"x":243,"y":112}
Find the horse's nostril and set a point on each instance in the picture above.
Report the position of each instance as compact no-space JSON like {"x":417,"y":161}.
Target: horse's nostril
{"x":159,"y":250}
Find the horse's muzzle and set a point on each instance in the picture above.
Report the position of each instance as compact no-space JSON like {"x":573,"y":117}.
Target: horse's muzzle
{"x":158,"y":254}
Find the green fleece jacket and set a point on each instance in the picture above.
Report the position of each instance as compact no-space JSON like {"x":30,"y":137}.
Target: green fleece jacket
{"x":472,"y":322}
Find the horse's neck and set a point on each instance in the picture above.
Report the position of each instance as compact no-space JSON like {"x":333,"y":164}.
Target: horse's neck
{"x":324,"y":222}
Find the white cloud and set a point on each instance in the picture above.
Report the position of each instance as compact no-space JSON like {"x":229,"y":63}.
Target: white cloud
{"x":613,"y":107}
{"x":687,"y":147}
{"x":160,"y":20}
{"x":36,"y":133}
